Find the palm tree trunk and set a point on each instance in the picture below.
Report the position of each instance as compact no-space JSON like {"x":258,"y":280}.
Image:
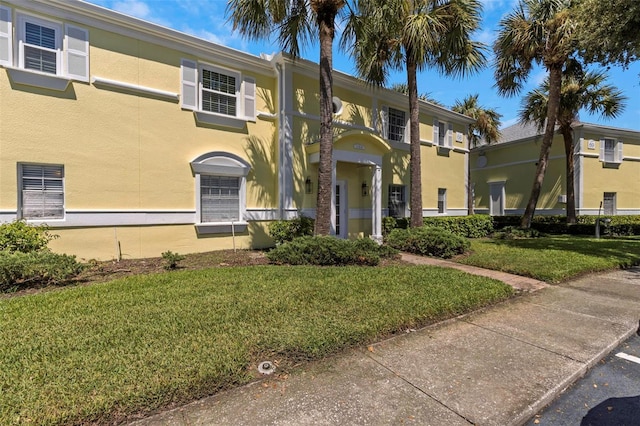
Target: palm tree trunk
{"x":414,"y":136}
{"x":470,"y":206}
{"x":567,"y":135}
{"x":323,"y":203}
{"x":555,"y":82}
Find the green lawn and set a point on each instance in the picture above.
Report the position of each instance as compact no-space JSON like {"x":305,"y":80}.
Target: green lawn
{"x":554,"y":259}
{"x":100,"y":353}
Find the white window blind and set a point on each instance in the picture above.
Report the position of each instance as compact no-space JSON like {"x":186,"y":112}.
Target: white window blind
{"x":219,"y":93}
{"x":609,"y":203}
{"x":397,"y":123}
{"x":219,"y":198}
{"x":42,"y":191}
{"x":40,"y":48}
{"x":442,"y":200}
{"x":396,"y":201}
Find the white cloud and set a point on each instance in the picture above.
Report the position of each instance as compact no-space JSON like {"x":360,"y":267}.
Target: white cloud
{"x":135,"y":8}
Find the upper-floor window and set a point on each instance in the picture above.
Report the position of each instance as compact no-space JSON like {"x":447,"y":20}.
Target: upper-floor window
{"x":224,"y":96}
{"x":43,"y":46}
{"x":443,"y":134}
{"x":41,"y":191}
{"x":397,"y":125}
{"x":610,"y":150}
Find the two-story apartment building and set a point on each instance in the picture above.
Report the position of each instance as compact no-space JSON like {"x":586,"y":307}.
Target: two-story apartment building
{"x":129,"y":139}
{"x":606,"y":168}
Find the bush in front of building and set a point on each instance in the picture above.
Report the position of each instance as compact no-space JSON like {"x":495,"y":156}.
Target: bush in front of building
{"x":623,"y":225}
{"x":26,"y":261}
{"x":329,"y":251}
{"x":428,"y":241}
{"x":473,"y":226}
{"x":286,"y":230}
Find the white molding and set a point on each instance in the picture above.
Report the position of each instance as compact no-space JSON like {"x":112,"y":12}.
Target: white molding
{"x":92,"y":218}
{"x":144,"y":90}
{"x":588,"y":154}
{"x":517,"y":163}
{"x":261,"y":214}
{"x":449,"y":212}
{"x":619,"y":212}
{"x":350,"y":157}
{"x":214,"y":119}
{"x":267,"y":116}
{"x":426,"y":142}
{"x":33,"y":78}
{"x":627,"y":158}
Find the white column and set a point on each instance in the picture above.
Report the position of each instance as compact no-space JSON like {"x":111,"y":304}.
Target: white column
{"x":333,"y":197}
{"x":376,"y":204}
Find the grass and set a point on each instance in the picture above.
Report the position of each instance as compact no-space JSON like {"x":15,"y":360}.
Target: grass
{"x":101,"y":353}
{"x":554,"y":259}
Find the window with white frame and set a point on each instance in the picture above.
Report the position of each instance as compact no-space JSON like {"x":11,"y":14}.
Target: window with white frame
{"x":220,"y":188}
{"x":219,"y":198}
{"x":213,"y":92}
{"x":396,"y":201}
{"x":41,"y":188}
{"x":443,"y":134}
{"x":609,"y":203}
{"x":43,"y":47}
{"x":610,"y":150}
{"x":396,"y":125}
{"x":442,"y":200}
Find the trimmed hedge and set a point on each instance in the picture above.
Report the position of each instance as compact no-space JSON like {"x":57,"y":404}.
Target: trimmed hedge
{"x":286,"y":230}
{"x":474,"y":226}
{"x":428,"y":241}
{"x":557,"y":224}
{"x":329,"y":251}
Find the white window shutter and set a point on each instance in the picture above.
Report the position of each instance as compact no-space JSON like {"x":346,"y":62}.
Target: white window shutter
{"x":384,"y":121}
{"x":436,"y":124}
{"x":189,"y":76}
{"x":249,"y":98}
{"x":602,"y":149}
{"x":6,"y":42}
{"x":407,"y":131}
{"x":76,"y":48}
{"x":450,"y":136}
{"x":619,"y":151}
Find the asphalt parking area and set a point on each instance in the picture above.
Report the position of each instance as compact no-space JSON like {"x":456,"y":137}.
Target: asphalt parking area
{"x":608,"y":395}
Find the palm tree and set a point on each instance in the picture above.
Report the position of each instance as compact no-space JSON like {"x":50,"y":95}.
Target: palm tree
{"x":536,"y":32}
{"x":485,"y":128}
{"x":296,"y":22}
{"x":385,"y":35}
{"x":579,"y":90}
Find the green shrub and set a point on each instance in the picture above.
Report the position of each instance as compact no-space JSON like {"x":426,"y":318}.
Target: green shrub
{"x":390,"y":223}
{"x":286,"y":230}
{"x":428,"y":241}
{"x":557,"y":224}
{"x":474,"y":226}
{"x":514,"y":233}
{"x":328,"y":251}
{"x":18,"y":269}
{"x":21,"y":237}
{"x":171,"y":259}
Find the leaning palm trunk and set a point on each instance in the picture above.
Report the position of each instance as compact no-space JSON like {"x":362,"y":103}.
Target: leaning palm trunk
{"x":414,"y":136}
{"x":325,"y":182}
{"x":555,"y":82}
{"x":567,"y":135}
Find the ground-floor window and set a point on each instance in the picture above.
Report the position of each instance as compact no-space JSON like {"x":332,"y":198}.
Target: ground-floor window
{"x":396,"y":201}
{"x":609,"y":203}
{"x":442,"y":200}
{"x":41,"y":191}
{"x":219,"y":198}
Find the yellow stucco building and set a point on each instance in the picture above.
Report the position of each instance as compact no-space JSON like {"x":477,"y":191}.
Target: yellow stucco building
{"x":606,"y":164}
{"x":129,"y":139}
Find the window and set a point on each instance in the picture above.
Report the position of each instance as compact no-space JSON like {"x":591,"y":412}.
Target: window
{"x":220,"y":192}
{"x":41,"y":191}
{"x":609,"y":203}
{"x":443,"y":134}
{"x":219,"y":198}
{"x":396,"y":202}
{"x":397,"y":125}
{"x":43,"y":50}
{"x":610,"y":150}
{"x":442,"y":200}
{"x":218,"y":96}
{"x":219,"y":92}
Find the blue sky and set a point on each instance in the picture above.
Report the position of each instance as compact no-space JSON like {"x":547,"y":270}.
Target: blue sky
{"x":206,"y":19}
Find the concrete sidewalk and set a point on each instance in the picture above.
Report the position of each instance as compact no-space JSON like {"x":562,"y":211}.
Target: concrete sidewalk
{"x":498,"y":366}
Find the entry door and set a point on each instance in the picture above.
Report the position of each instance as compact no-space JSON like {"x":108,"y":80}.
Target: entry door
{"x":340,"y":219}
{"x":496,"y":203}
